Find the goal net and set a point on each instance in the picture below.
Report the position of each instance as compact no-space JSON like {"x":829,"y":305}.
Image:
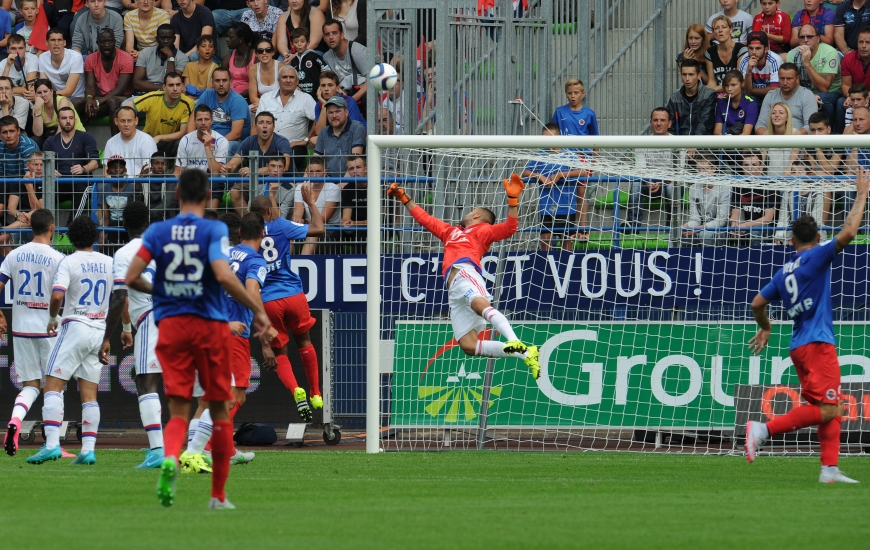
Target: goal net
{"x":632,"y":272}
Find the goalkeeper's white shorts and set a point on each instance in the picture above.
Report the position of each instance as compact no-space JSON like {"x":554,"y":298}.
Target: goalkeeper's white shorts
{"x":467,"y":285}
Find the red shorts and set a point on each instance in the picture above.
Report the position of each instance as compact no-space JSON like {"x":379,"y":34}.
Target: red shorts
{"x":240,"y":361}
{"x":188,"y":344}
{"x":819,"y":372}
{"x":289,"y":314}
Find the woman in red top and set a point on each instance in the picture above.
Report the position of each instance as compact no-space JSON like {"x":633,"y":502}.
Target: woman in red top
{"x":240,"y":39}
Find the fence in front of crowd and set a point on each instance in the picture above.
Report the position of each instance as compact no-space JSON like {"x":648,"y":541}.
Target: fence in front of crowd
{"x":509,"y":66}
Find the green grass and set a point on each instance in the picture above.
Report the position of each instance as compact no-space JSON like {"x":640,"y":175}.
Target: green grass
{"x":488,"y":500}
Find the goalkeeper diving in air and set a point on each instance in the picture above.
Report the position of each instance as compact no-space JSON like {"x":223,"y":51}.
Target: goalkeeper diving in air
{"x":464,"y":245}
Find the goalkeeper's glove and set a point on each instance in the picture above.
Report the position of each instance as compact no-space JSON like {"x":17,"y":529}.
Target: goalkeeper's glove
{"x":513,"y":187}
{"x":398,"y":193}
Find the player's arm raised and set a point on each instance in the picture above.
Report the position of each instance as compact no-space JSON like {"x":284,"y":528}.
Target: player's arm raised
{"x":853,"y":220}
{"x":759,"y":310}
{"x":316,"y":227}
{"x":435,"y":226}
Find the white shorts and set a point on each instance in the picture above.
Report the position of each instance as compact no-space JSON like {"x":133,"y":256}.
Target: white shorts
{"x":76,"y":353}
{"x":466,"y":286}
{"x":144,"y":346}
{"x":197,"y":388}
{"x":31,"y":355}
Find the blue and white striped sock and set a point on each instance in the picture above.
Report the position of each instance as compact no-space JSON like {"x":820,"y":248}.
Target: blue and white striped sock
{"x":149,"y":411}
{"x":24,"y":401}
{"x":52,"y":417}
{"x":90,"y":425}
{"x":203,"y":434}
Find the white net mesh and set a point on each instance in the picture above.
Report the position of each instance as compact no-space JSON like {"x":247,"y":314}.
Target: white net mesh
{"x":633,"y":278}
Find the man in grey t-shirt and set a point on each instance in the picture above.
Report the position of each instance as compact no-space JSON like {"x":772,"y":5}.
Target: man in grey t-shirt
{"x":346,"y":59}
{"x":800,"y":100}
{"x":153,"y":63}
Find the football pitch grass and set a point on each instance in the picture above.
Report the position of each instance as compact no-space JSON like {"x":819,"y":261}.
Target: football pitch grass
{"x":488,"y":500}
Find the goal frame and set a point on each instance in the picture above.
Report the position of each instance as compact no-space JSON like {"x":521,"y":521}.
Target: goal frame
{"x":376,"y":143}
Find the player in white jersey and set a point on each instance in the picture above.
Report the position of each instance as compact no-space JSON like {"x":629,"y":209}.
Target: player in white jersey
{"x":83,"y":280}
{"x":30,"y":268}
{"x":148,"y":371}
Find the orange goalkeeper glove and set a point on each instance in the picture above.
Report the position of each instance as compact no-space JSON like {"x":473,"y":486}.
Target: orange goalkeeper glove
{"x":513,"y":187}
{"x":398,"y":193}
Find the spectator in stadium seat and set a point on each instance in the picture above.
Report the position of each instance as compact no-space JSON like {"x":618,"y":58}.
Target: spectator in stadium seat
{"x":262,"y":18}
{"x":818,"y":70}
{"x":108,"y":79}
{"x":300,"y":15}
{"x":752,"y":208}
{"x":263,"y":74}
{"x":268,"y":144}
{"x":154,"y":63}
{"x":352,"y":15}
{"x":135,"y":147}
{"x":692,"y":108}
{"x":740,"y":22}
{"x":394,"y":101}
{"x":45,"y":110}
{"x":765,"y":67}
{"x":817,"y":15}
{"x":851,"y":16}
{"x":204,"y":149}
{"x":736,"y":112}
{"x":76,"y":153}
{"x":166,"y":113}
{"x":230,"y":12}
{"x":573,"y":118}
{"x":800,"y":101}
{"x":775,"y":25}
{"x":347,"y":59}
{"x":327,"y":199}
{"x":15,"y":151}
{"x":294,"y":113}
{"x":855,"y":68}
{"x":655,"y":159}
{"x":113,"y":194}
{"x":190,"y":22}
{"x":22,"y":67}
{"x":140,"y":27}
{"x":307,"y":62}
{"x":386,"y":125}
{"x":232,"y":118}
{"x":779,"y":123}
{"x":85,"y":38}
{"x":281,"y":193}
{"x":197,"y":75}
{"x":11,"y":104}
{"x":354,"y":204}
{"x":328,"y":89}
{"x":64,"y":68}
{"x":340,"y":138}
{"x":695,"y":47}
{"x":24,"y":29}
{"x":240,"y":39}
{"x":709,"y":206}
{"x":723,"y":56}
{"x":859,"y":96}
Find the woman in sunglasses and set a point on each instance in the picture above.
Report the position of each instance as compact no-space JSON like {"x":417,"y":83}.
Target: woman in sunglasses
{"x":263,"y":75}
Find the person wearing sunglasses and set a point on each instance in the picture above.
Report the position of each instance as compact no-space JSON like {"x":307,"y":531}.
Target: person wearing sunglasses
{"x":263,"y":75}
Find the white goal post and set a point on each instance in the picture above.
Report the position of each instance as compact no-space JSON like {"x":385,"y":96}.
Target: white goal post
{"x":614,"y":165}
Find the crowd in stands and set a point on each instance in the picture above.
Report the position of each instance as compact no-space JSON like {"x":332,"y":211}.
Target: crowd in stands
{"x":288,"y":83}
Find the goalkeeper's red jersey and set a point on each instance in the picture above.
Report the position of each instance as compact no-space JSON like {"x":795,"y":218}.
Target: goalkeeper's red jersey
{"x":467,"y":244}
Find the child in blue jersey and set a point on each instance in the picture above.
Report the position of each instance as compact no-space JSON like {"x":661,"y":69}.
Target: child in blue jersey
{"x":804,"y":286}
{"x":191,"y":272}
{"x":573,"y":118}
{"x":560,"y":190}
{"x":284,"y":299}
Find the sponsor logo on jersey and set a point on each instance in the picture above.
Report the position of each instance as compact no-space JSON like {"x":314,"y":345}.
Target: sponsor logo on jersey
{"x":308,"y":64}
{"x":741,"y":113}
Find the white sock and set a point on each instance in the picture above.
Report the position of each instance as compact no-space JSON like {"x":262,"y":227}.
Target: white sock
{"x":492,"y":348}
{"x":149,"y":410}
{"x":203,"y":434}
{"x":191,"y":431}
{"x":24,"y":401}
{"x":500,"y":323}
{"x":52,"y":417}
{"x":90,"y":425}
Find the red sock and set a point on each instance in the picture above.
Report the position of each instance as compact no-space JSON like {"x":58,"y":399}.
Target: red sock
{"x":174,"y":436}
{"x":312,"y":371}
{"x":829,"y":438}
{"x":285,"y":373}
{"x":221,"y":451}
{"x":797,"y":418}
{"x":233,"y":410}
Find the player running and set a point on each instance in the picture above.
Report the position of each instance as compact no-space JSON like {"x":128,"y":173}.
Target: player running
{"x":804,"y":285}
{"x":464,"y":246}
{"x":82,"y":282}
{"x":148,"y":371}
{"x":191,"y":266}
{"x":31,"y":269}
{"x":245,"y":234}
{"x":284,"y":298}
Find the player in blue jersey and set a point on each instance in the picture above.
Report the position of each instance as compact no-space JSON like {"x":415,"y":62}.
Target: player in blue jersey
{"x":284,"y":299}
{"x":191,"y":272}
{"x":804,"y":286}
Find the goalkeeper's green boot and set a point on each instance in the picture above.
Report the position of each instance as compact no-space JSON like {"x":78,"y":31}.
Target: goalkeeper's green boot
{"x":302,"y":404}
{"x":515,"y":346}
{"x":532,"y":362}
{"x":316,"y":402}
